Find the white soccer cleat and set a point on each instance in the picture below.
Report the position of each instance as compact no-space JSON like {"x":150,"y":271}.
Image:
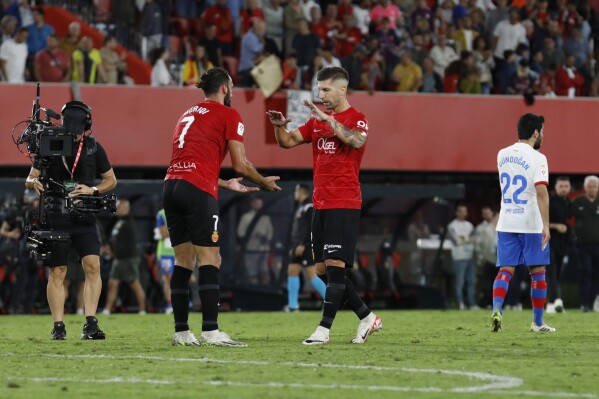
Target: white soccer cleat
{"x":185,"y":338}
{"x":317,"y":338}
{"x":366,"y":329}
{"x":559,"y":306}
{"x":541,"y":328}
{"x":219,"y":338}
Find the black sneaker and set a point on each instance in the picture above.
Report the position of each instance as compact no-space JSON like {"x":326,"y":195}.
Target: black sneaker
{"x":59,"y":334}
{"x":92,"y":331}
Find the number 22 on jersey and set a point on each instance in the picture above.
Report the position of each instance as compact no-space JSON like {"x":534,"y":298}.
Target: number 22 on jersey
{"x":512,"y":187}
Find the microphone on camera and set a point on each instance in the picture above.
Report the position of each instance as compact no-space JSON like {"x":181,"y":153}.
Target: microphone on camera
{"x":52,"y":114}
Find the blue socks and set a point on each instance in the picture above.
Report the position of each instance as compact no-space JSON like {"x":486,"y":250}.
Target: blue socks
{"x":293,"y":287}
{"x":319,"y":286}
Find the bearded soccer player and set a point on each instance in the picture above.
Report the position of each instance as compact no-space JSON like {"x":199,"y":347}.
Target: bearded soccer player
{"x":202,"y":137}
{"x":523,"y":226}
{"x":338,"y":139}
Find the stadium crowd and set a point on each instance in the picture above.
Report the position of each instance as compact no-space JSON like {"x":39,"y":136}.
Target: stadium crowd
{"x":534,"y":47}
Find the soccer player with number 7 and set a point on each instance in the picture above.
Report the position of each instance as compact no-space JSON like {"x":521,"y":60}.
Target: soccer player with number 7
{"x":202,"y":137}
{"x":523,"y":226}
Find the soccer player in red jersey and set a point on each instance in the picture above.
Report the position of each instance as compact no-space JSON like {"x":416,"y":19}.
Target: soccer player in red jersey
{"x":203,"y":136}
{"x":338,"y":140}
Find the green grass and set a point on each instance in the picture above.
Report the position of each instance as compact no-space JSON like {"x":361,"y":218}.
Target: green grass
{"x":416,"y":355}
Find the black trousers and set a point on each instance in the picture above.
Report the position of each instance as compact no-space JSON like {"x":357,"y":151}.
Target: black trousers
{"x":588,"y":262}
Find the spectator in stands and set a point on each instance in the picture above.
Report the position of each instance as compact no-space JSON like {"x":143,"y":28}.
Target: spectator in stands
{"x":362,"y":16}
{"x":293,"y":14}
{"x":445,"y":14}
{"x":318,"y":25}
{"x":407,"y":74}
{"x":354,"y":65}
{"x":536,"y":63}
{"x":126,"y":263}
{"x":332,"y":23}
{"x":485,"y":250}
{"x":151,"y":28}
{"x":306,"y":45}
{"x":470,"y":83}
{"x":249,"y":14}
{"x":53,"y":64}
{"x":13,"y":57}
{"x":21,"y":10}
{"x":212,"y":45}
{"x":552,"y":54}
{"x":113,"y":63}
{"x":384,"y":9}
{"x":161,"y":75}
{"x":417,"y":52}
{"x":484,"y":61}
{"x":390,"y":44}
{"x":123,"y":15}
{"x":38,"y":33}
{"x":431,"y":81}
{"x":257,"y":242}
{"x":345,"y":7}
{"x":576,"y":46}
{"x":328,"y":59}
{"x":274,"y":16}
{"x":422,"y":11}
{"x":568,"y":81}
{"x":87,"y":63}
{"x":195,"y":66}
{"x":8,"y":26}
{"x":478,"y":22}
{"x":505,"y":71}
{"x":462,"y":252}
{"x":497,"y":15}
{"x":569,"y":18}
{"x":290,"y":75}
{"x":306,"y":6}
{"x":442,"y":55}
{"x":220,"y":15}
{"x":465,"y":36}
{"x":508,"y":34}
{"x":186,"y":8}
{"x":71,"y":41}
{"x":347,"y":37}
{"x":252,"y":49}
{"x":546,"y":85}
{"x":522,"y":81}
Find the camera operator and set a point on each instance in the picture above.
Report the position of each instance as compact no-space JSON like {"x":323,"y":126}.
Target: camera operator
{"x":77,"y":173}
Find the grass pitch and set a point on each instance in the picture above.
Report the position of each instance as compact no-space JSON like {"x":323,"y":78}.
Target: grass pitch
{"x":418,"y":354}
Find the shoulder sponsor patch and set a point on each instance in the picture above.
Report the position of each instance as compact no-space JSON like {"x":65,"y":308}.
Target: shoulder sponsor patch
{"x":240,"y":129}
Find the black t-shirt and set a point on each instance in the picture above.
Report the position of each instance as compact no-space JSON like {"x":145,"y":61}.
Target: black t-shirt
{"x":123,"y":238}
{"x":300,"y":231}
{"x":58,"y":171}
{"x":559,"y":209}
{"x":587,"y":219}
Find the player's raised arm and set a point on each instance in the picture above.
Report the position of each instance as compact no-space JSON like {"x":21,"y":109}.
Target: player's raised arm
{"x":355,"y":138}
{"x":244,"y":167}
{"x":285,"y":139}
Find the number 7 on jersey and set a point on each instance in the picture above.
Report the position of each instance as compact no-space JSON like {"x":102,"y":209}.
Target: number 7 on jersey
{"x":188,"y":120}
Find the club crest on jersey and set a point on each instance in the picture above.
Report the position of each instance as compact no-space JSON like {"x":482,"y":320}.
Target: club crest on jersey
{"x":214,"y":236}
{"x":323,"y":144}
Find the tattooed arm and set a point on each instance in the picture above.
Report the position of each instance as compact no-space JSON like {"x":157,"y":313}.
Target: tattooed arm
{"x":353,"y":137}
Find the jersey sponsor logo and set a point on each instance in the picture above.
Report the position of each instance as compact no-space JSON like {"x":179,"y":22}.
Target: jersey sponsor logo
{"x":332,"y":247}
{"x":323,"y":144}
{"x":183,"y":165}
{"x":197,"y":110}
{"x":363,"y":125}
{"x":240,"y":129}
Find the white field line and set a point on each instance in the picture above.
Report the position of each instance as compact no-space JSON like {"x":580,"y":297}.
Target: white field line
{"x":495,"y":384}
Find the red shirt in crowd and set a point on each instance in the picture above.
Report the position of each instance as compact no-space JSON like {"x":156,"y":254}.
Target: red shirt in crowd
{"x":53,"y":66}
{"x":200,"y":144}
{"x":248,"y":17}
{"x":336,"y":165}
{"x":344,"y":46}
{"x":221,"y":17}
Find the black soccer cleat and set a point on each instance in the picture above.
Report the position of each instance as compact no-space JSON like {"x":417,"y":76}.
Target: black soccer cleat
{"x":59,"y":334}
{"x":92,"y":331}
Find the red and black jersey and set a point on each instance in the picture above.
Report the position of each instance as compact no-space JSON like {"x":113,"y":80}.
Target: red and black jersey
{"x":336,"y":165}
{"x":200,"y":144}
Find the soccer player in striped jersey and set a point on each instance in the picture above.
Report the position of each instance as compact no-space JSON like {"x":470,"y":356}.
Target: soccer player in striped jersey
{"x":523,"y":226}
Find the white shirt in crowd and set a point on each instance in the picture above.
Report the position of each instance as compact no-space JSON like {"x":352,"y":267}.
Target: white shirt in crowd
{"x":362,"y":18}
{"x":521,"y":168}
{"x":442,"y":57}
{"x":460,"y":232}
{"x":15,"y":56}
{"x":160,"y":74}
{"x":508,"y":36}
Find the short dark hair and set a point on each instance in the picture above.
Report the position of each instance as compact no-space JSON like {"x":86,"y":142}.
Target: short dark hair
{"x":333,"y":73}
{"x":212,"y":80}
{"x":528,"y":123}
{"x":562,"y":178}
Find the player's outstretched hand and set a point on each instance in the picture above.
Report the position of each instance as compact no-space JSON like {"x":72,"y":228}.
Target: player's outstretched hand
{"x":546,"y":236}
{"x":270,"y":184}
{"x":277,"y":118}
{"x":316,"y":112}
{"x":234,"y":184}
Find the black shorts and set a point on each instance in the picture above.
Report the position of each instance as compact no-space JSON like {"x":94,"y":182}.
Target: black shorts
{"x":191,"y":214}
{"x":84,"y":239}
{"x":335,"y":234}
{"x":305,"y":259}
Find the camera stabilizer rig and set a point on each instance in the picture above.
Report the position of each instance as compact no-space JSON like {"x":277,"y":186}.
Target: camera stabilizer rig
{"x":45,"y":140}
